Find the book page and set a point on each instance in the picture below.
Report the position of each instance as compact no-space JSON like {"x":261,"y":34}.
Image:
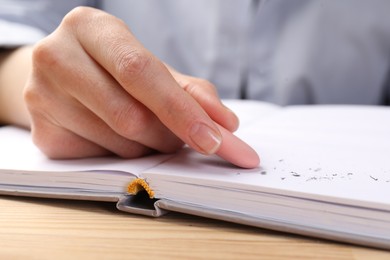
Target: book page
{"x":338,"y":154}
{"x":250,"y":111}
{"x":17,"y":152}
{"x":24,"y":168}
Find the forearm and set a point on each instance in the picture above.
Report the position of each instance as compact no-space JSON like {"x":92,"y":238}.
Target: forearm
{"x":15,"y":66}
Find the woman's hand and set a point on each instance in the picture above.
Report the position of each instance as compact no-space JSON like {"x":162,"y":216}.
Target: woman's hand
{"x":95,"y":90}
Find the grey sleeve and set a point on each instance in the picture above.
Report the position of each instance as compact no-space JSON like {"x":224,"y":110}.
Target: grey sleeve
{"x":27,"y":21}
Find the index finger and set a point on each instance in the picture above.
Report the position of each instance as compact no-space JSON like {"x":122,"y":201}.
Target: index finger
{"x":144,"y":77}
{"x":236,"y":151}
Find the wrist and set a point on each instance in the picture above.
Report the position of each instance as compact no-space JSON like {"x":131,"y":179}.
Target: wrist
{"x":15,"y":66}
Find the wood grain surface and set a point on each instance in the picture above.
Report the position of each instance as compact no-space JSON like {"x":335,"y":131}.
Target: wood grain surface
{"x":62,"y":229}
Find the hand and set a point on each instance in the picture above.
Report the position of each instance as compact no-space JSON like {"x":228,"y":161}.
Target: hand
{"x":95,"y":90}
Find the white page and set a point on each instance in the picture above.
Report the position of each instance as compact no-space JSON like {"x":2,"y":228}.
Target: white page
{"x":23,"y":167}
{"x":249,"y":111}
{"x":17,"y":152}
{"x":338,"y":154}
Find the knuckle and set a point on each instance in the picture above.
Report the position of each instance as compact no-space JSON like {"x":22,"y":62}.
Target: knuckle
{"x":197,"y":85}
{"x":38,"y":94}
{"x":45,"y":54}
{"x":190,"y":87}
{"x":84,"y":19}
{"x":129,"y":122}
{"x":206,"y":84}
{"x":130,"y":64}
{"x":77,"y":15}
{"x":33,"y":96}
{"x":174,"y":106}
{"x":84,"y":15}
{"x":30,"y":96}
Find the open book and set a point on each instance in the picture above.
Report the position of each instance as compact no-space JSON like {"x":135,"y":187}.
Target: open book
{"x":325,"y":172}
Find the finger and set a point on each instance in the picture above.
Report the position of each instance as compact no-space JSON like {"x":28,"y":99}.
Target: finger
{"x":206,"y":95}
{"x":102,"y":95}
{"x":81,"y":121}
{"x":72,"y":117}
{"x":237,"y":151}
{"x":59,"y":143}
{"x":144,"y":77}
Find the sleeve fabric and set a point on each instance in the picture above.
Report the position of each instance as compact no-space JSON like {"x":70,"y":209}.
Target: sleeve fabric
{"x":25,"y":22}
{"x":284,"y":52}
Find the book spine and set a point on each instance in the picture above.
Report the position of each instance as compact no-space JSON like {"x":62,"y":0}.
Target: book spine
{"x":138,"y":185}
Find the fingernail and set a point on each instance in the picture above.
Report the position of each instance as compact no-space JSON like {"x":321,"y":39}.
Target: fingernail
{"x":207,"y":139}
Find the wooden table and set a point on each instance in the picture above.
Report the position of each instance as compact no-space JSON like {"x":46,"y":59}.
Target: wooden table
{"x":61,"y":229}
